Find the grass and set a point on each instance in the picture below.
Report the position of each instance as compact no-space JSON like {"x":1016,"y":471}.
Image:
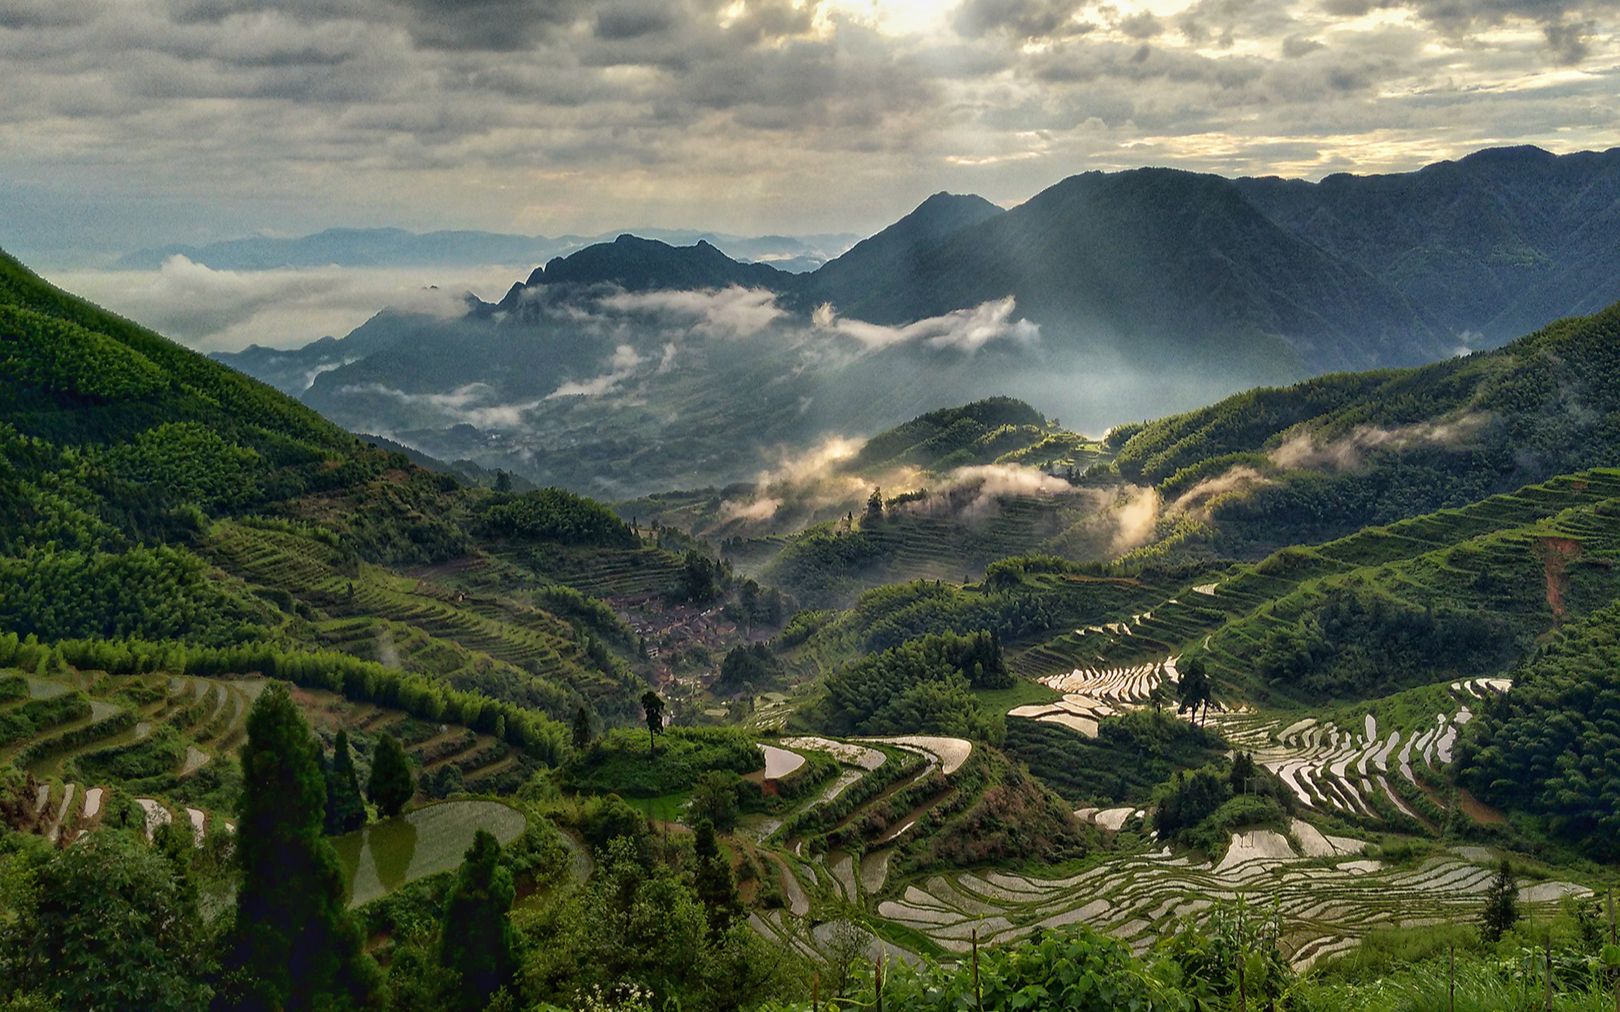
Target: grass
{"x":1023,"y":692}
{"x":664,"y":807}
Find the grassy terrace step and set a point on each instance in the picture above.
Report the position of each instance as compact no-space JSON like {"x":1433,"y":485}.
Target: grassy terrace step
{"x":1501,"y":526}
{"x":526,"y":637}
{"x":600,"y":572}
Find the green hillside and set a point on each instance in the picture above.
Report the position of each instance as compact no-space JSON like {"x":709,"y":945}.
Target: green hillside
{"x":154,"y":496}
{"x":1328,"y":456}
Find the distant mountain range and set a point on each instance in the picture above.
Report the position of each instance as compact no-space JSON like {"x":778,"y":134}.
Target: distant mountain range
{"x":395,"y":247}
{"x":1131,"y":294}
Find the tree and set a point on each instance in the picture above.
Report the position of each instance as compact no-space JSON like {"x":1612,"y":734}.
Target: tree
{"x":476,"y":939}
{"x":874,"y":504}
{"x":700,"y":576}
{"x":503,"y":480}
{"x":1501,"y":904}
{"x":653,"y":708}
{"x":293,"y":945}
{"x":582,"y":728}
{"x":113,"y":924}
{"x":1194,"y":689}
{"x":713,"y":881}
{"x":345,"y":809}
{"x":391,"y":784}
{"x":715,"y":799}
{"x":1244,"y":770}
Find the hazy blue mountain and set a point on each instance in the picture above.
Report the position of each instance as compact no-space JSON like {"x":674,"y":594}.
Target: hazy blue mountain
{"x":395,"y":247}
{"x":640,"y":265}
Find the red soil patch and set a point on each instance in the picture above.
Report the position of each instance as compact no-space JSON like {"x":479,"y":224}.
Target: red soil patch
{"x":1556,"y":555}
{"x":1478,"y":810}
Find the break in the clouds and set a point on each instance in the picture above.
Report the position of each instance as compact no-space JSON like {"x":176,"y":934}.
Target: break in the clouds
{"x":748,"y":115}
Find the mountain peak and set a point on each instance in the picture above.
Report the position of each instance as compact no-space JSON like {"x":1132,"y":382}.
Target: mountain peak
{"x":1513,"y":154}
{"x":930,"y":221}
{"x":637,"y":264}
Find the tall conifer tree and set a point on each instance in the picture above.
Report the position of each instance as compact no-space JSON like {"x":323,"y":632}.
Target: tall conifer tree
{"x":293,"y":945}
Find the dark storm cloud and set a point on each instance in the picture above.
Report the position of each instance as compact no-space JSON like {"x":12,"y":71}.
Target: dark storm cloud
{"x":629,"y":21}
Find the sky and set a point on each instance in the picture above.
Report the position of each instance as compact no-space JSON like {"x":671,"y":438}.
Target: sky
{"x":129,"y":123}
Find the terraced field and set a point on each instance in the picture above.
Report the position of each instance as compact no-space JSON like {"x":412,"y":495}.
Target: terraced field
{"x":1349,"y":770}
{"x":1440,"y":555}
{"x":1090,"y":694}
{"x":198,"y":721}
{"x":601,"y":572}
{"x":390,"y":853}
{"x":416,"y":621}
{"x":1326,"y":894}
{"x":1325,"y":888}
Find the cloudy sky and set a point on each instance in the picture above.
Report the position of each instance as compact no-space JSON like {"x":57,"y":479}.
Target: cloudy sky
{"x":134,"y":122}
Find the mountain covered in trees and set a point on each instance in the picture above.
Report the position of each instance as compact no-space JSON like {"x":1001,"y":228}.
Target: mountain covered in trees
{"x":1104,"y":292}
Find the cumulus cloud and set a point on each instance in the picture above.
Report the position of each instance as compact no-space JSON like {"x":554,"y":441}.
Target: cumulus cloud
{"x":964,"y":330}
{"x":756,"y":510}
{"x":218,"y":310}
{"x":1135,"y":516}
{"x":1203,"y":495}
{"x":801,"y":482}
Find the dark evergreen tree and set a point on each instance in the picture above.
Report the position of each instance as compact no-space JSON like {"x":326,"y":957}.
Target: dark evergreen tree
{"x":1194,"y":690}
{"x":874,"y":505}
{"x":293,"y":945}
{"x":1501,"y":904}
{"x":1243,"y":771}
{"x":653,"y":708}
{"x":700,"y":576}
{"x":714,"y":882}
{"x":582,"y":728}
{"x":391,"y":784}
{"x":345,"y":809}
{"x":477,"y":939}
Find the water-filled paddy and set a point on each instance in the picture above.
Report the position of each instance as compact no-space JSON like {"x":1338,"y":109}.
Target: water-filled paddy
{"x":391,"y":852}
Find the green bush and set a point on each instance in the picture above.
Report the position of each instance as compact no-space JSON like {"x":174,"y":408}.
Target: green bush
{"x":619,"y":762}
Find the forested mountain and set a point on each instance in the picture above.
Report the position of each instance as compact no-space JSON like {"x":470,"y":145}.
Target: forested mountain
{"x":1102,"y":293}
{"x":155,"y":497}
{"x":1491,"y":245}
{"x":644,"y":265}
{"x":1276,"y":466}
{"x":895,"y":249}
{"x":1174,"y":265}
